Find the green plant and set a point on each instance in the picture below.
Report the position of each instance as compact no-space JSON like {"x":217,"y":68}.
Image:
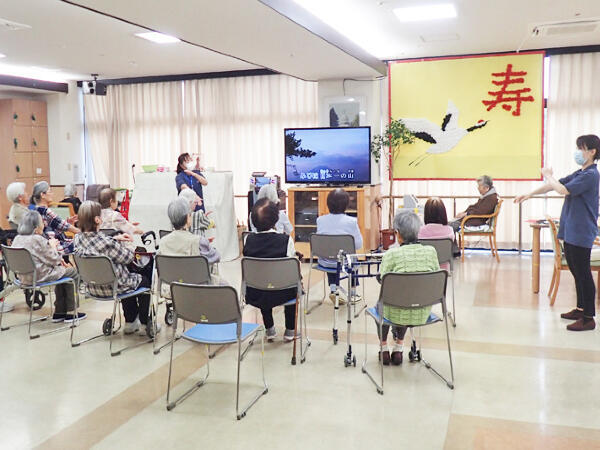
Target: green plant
{"x":386,"y":146}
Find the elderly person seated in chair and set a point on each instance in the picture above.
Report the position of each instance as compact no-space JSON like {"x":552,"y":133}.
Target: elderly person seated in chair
{"x":408,"y":256}
{"x":71,"y":197}
{"x":485,"y":205}
{"x":268,"y":243}
{"x":15,"y":192}
{"x":42,"y":199}
{"x":283,"y":224}
{"x":49,"y":265}
{"x":90,"y":242}
{"x":113,"y":219}
{"x":199,"y":221}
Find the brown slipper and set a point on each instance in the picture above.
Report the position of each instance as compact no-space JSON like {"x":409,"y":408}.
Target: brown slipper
{"x":583,"y":324}
{"x":386,"y":357}
{"x":574,"y":314}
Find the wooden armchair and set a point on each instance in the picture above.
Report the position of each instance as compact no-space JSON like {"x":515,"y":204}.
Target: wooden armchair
{"x":490,"y":232}
{"x":560,"y":262}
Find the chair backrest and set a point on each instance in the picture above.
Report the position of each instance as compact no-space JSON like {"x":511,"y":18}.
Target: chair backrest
{"x":109,"y":231}
{"x":67,"y":205}
{"x":443,"y":247}
{"x":494,"y":218}
{"x":97,"y":270}
{"x":61,"y":211}
{"x":328,"y":246}
{"x":206,"y":304}
{"x":245,"y":235}
{"x":413,"y":290}
{"x":18,"y":260}
{"x":183,"y":269}
{"x":93,"y":190}
{"x":163,"y":233}
{"x":555,"y":242}
{"x":271,"y":273}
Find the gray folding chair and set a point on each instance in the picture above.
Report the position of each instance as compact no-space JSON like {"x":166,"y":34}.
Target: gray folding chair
{"x":183,"y":269}
{"x":275,"y":274}
{"x":99,"y":271}
{"x":327,"y":246}
{"x":163,"y":233}
{"x":217,"y":313}
{"x":443,"y":247}
{"x":409,"y":291}
{"x":20,"y":263}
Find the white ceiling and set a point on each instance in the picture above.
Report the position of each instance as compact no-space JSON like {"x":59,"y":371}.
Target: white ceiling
{"x":79,"y":41}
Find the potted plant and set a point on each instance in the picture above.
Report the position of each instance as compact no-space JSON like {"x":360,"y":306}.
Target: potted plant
{"x":387,"y":147}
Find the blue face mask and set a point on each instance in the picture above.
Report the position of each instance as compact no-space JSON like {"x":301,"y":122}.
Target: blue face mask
{"x":579,"y":158}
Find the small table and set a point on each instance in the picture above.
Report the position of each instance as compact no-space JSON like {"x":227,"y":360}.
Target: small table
{"x":535,"y":254}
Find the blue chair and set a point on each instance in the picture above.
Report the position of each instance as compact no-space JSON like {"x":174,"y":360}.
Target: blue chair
{"x":410,"y":291}
{"x":99,"y":270}
{"x":217,"y":313}
{"x":20,"y":263}
{"x":276,"y":274}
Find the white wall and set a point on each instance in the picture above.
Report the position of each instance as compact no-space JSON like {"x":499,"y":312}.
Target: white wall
{"x":65,"y":136}
{"x":373,"y":98}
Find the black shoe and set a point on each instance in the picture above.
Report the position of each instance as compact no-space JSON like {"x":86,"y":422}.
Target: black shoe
{"x":386,"y":357}
{"x":396,"y":358}
{"x":71,"y":317}
{"x":58,"y":317}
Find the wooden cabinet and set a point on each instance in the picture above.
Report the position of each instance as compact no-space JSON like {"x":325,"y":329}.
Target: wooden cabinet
{"x":306,"y":204}
{"x":23,"y":147}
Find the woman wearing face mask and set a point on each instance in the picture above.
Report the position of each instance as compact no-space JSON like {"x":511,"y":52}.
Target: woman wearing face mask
{"x":188,"y":176}
{"x":578,"y":225}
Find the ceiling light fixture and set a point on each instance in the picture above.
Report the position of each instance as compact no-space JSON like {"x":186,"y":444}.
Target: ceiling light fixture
{"x":38,"y":73}
{"x":158,"y":38}
{"x":428,"y":12}
{"x":2,"y":55}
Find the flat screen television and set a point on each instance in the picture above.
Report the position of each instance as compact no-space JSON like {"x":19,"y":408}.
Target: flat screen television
{"x":328,"y":155}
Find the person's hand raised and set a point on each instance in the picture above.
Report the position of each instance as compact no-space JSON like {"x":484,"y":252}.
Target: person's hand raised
{"x":521,"y":198}
{"x":547,"y":171}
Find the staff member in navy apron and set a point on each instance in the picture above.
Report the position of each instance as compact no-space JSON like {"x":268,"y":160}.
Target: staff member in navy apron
{"x":578,"y":225}
{"x":189,"y":176}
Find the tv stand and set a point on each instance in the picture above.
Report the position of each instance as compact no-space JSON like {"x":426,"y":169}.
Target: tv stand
{"x":306,"y":203}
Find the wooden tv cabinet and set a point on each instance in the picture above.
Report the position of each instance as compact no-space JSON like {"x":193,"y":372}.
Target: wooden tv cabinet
{"x":305,"y":204}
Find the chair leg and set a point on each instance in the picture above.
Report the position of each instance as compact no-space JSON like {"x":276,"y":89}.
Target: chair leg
{"x":461,"y":238}
{"x":241,"y":415}
{"x":191,"y":390}
{"x":453,"y":314}
{"x":295,"y":329}
{"x":554,"y":279}
{"x":428,"y":365}
{"x":320,"y":302}
{"x":556,"y":283}
{"x":364,"y":370}
{"x":304,"y":329}
{"x":491,"y":245}
{"x":496,"y":248}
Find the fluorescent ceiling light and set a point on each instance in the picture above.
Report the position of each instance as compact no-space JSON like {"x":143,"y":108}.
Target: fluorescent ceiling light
{"x":2,"y":55}
{"x":158,"y":38}
{"x":355,"y":24}
{"x":427,"y":12}
{"x":38,"y":73}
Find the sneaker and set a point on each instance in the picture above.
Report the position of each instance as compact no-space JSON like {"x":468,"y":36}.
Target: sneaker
{"x":332,"y":298}
{"x":574,"y":314}
{"x":58,"y":317}
{"x":132,"y":327}
{"x":288,"y":336}
{"x":270,"y":333}
{"x":142,"y":330}
{"x":71,"y":317}
{"x":583,"y":324}
{"x":356,"y":298}
{"x":397,"y":358}
{"x":386,"y":357}
{"x":7,"y":306}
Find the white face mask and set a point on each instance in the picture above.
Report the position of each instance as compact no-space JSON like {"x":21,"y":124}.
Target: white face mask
{"x":190,"y":165}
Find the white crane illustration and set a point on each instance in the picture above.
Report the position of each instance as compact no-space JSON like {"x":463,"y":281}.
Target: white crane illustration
{"x":444,"y":138}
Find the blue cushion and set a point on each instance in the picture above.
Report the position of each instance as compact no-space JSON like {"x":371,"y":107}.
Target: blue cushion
{"x":140,"y":290}
{"x":290,"y":302}
{"x":324,"y":269}
{"x":218,"y":333}
{"x":46,"y":283}
{"x":375,"y":315}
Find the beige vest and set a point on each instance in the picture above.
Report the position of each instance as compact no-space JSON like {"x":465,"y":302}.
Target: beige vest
{"x":180,"y":243}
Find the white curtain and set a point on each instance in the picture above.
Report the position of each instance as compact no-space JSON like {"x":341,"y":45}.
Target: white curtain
{"x":237,"y":123}
{"x":134,"y":124}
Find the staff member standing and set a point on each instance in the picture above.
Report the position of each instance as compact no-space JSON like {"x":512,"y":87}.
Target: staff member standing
{"x":578,"y":225}
{"x":188,"y":176}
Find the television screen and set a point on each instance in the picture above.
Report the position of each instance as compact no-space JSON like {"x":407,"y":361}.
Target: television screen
{"x":328,"y":155}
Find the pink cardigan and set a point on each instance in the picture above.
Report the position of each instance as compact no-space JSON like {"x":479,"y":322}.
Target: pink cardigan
{"x":436,"y":231}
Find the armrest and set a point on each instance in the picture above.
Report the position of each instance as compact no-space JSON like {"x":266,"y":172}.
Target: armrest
{"x":476,"y":216}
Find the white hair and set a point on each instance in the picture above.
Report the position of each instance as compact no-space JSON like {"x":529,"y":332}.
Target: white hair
{"x":70,"y":190}
{"x":14,"y":191}
{"x":30,"y":221}
{"x":189,"y":195}
{"x":178,"y":211}
{"x":268,"y":191}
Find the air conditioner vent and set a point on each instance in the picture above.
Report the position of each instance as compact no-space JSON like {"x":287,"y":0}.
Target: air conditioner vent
{"x":565,"y":28}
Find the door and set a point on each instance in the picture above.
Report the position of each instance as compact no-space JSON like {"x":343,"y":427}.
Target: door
{"x":21,"y":141}
{"x":23,"y":165}
{"x":39,"y":116}
{"x":41,"y":166}
{"x":39,"y":139}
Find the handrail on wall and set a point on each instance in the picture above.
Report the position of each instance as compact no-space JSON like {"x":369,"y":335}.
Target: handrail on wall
{"x":455,"y":197}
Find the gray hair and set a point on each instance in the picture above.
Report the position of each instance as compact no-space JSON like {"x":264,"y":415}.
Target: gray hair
{"x":407,"y":224}
{"x":39,"y":188}
{"x":30,"y":221}
{"x":486,"y":180}
{"x":189,"y":195}
{"x":70,"y":190}
{"x":268,"y":191}
{"x":14,"y":191}
{"x":178,"y":211}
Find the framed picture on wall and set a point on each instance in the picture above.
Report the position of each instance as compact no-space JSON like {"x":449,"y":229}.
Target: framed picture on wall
{"x":345,"y":111}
